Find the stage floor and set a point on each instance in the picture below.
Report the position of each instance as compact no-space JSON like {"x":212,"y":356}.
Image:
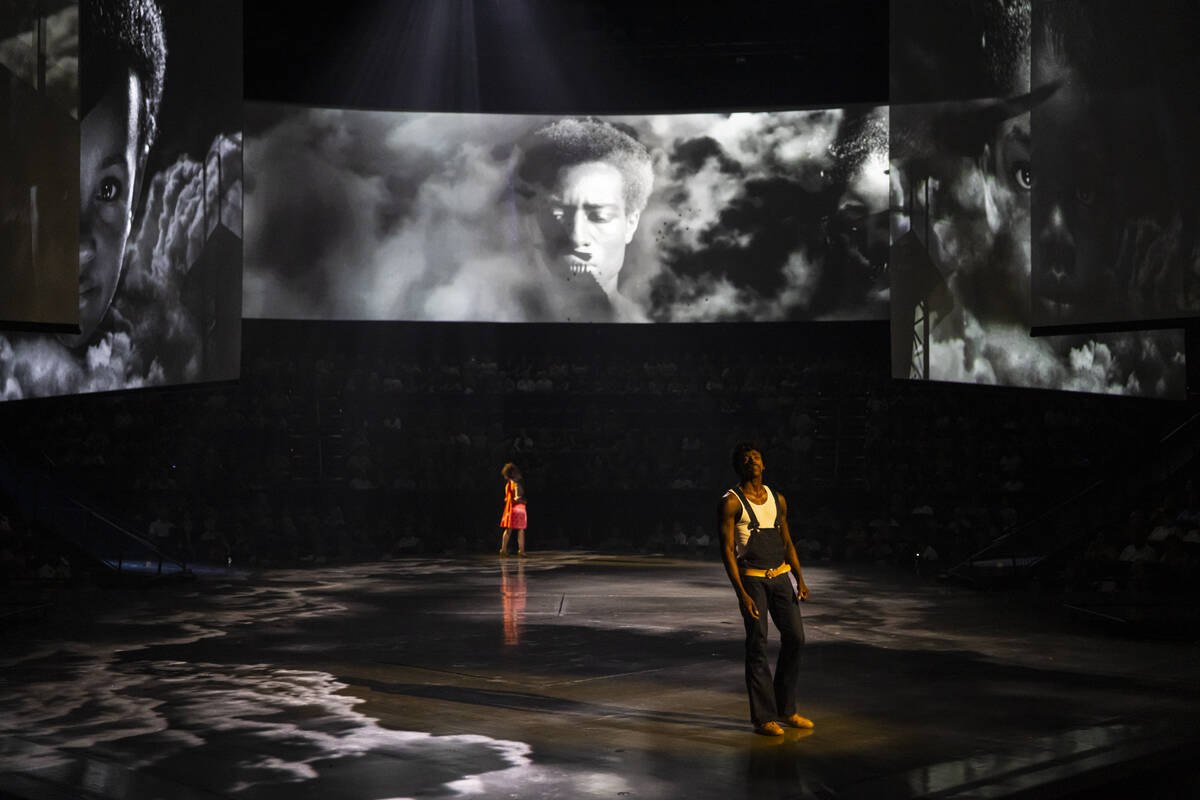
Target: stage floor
{"x":573,"y":676}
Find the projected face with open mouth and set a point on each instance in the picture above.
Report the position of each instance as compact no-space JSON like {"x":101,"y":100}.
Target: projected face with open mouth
{"x":861,"y":220}
{"x":582,"y":185}
{"x":585,"y":225}
{"x":1073,"y":234}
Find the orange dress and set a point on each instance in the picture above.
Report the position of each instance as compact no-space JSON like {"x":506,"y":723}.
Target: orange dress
{"x":514,"y":510}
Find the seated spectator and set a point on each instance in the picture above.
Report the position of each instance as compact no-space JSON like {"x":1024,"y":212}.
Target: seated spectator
{"x":1163,"y":528}
{"x":658,"y":541}
{"x":161,"y":528}
{"x":1175,"y":559}
{"x":1138,"y":551}
{"x":679,"y":538}
{"x":699,"y":541}
{"x":1189,"y":514}
{"x":927,"y":559}
{"x":1100,"y":552}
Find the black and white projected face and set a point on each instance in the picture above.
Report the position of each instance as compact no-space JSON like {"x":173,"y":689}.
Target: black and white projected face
{"x":157,"y":283}
{"x":584,"y":225}
{"x":1075,"y":240}
{"x":511,"y":218}
{"x":1115,"y":222}
{"x":970,"y":227}
{"x":108,"y":164}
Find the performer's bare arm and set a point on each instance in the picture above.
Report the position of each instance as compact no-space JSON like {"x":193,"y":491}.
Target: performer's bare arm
{"x":726,"y":522}
{"x":788,"y":549}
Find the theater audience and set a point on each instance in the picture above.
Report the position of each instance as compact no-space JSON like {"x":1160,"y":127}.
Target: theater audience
{"x":342,"y":444}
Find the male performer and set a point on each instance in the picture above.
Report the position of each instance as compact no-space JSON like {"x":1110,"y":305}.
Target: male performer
{"x":757,"y":548}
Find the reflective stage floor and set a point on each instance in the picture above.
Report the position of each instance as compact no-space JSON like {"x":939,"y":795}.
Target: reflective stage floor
{"x":576,"y":676}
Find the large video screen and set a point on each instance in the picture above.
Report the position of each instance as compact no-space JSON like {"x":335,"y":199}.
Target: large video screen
{"x":964,"y":187}
{"x":39,"y":156}
{"x":158,"y":273}
{"x":372,"y":215}
{"x":1116,"y":223}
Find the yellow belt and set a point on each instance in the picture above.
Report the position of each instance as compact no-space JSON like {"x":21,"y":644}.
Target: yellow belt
{"x":767,"y":573}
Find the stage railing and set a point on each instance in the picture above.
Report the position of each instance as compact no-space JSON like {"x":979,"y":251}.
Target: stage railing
{"x":1024,"y":547}
{"x":42,"y":501}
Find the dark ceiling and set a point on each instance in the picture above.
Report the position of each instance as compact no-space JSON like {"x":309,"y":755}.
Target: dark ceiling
{"x":568,"y":55}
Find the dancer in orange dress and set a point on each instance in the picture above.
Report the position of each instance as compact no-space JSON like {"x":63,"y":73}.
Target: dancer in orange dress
{"x":513,"y":518}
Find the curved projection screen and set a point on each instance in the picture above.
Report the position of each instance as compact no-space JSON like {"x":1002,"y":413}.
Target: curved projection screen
{"x":158,"y":275}
{"x":1116,"y":226}
{"x":368,"y":215}
{"x":965,"y":187}
{"x":961,"y":267}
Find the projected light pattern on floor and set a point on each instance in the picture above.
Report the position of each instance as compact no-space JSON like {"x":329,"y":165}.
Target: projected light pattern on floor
{"x":247,"y":729}
{"x":428,"y":678}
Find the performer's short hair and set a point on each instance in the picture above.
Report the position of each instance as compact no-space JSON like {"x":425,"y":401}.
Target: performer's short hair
{"x":738,"y":454}
{"x":572,"y":141}
{"x":510,"y":469}
{"x":120,"y":35}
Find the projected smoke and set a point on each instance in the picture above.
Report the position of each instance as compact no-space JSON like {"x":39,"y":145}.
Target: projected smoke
{"x":386,"y":215}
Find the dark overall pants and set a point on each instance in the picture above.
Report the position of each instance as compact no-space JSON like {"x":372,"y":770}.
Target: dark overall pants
{"x":773,"y":699}
{"x":770,"y":699}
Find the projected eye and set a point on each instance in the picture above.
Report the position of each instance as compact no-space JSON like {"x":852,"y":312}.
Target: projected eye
{"x":110,"y":190}
{"x":600,"y":216}
{"x":1022,"y":173}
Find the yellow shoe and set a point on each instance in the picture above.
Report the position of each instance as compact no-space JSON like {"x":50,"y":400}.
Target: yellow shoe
{"x":769,"y":729}
{"x":797,"y":721}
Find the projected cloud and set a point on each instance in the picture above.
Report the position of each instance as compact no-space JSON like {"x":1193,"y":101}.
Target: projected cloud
{"x":19,"y":56}
{"x":385,"y":215}
{"x":150,"y":704}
